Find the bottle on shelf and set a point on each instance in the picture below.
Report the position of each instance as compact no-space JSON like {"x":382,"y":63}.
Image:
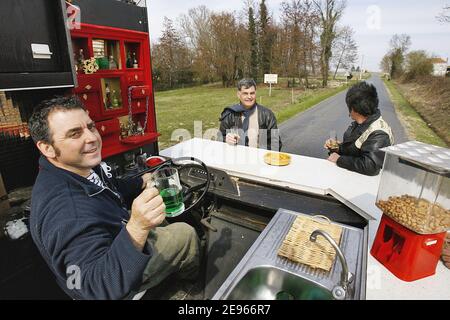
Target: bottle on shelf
{"x":108,"y":103}
{"x":80,"y":59}
{"x":75,"y":61}
{"x":135,"y":62}
{"x":112,"y":63}
{"x":115,"y":101}
{"x":129,"y":60}
{"x":139,"y":129}
{"x":123,"y":130}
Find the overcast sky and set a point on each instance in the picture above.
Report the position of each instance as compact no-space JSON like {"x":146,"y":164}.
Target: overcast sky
{"x":373,"y":21}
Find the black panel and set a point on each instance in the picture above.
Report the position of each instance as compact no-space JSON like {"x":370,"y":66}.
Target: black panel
{"x":23,"y":23}
{"x":113,"y":13}
{"x":24,"y":274}
{"x":226,"y":248}
{"x":35,"y":80}
{"x":18,"y":161}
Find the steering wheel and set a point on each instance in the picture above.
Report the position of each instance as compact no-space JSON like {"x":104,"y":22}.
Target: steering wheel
{"x":188,"y":190}
{"x":179,"y":164}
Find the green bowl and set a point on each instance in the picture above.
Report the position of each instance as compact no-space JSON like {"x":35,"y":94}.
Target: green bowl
{"x":103,"y":63}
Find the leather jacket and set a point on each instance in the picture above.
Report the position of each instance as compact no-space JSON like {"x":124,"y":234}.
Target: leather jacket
{"x":367,"y":160}
{"x":266,"y":120}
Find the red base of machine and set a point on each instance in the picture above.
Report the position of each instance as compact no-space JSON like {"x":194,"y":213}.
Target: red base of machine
{"x":408,"y":255}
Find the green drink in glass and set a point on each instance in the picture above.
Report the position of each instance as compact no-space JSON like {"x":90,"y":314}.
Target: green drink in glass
{"x":173,"y":199}
{"x":167,"y":181}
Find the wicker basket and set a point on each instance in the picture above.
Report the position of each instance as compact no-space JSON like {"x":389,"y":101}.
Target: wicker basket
{"x":298,"y":248}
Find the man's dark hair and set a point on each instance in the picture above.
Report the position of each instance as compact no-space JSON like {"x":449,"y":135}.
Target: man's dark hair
{"x":362,"y":98}
{"x":246,"y":83}
{"x":38,"y":122}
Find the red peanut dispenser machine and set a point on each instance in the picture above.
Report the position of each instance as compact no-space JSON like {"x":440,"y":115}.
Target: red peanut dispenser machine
{"x":414,"y":195}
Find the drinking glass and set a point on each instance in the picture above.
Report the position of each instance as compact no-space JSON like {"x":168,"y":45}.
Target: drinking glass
{"x":235,"y":132}
{"x":167,"y":181}
{"x":333,"y":140}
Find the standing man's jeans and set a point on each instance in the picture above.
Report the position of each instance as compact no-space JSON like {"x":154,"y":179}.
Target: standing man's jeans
{"x":176,"y":250}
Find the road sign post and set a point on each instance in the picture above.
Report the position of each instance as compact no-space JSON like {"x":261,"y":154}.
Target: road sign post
{"x":270,"y":79}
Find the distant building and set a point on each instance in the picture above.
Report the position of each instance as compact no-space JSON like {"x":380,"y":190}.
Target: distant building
{"x":439,"y":67}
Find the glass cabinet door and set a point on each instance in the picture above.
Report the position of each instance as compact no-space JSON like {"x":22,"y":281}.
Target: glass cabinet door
{"x":80,"y":53}
{"x":133,"y":55}
{"x":107,"y":54}
{"x":112,"y":94}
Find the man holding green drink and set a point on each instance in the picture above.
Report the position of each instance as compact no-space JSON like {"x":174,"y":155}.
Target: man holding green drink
{"x":79,"y":218}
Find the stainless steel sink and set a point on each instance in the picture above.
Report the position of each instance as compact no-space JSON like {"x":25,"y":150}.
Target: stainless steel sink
{"x":270,"y":283}
{"x":262,"y":274}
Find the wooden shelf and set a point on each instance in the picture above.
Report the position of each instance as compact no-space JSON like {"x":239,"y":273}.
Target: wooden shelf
{"x":134,"y":69}
{"x":134,"y":140}
{"x":123,"y":147}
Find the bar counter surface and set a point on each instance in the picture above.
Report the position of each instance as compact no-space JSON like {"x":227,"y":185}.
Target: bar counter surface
{"x":321,"y":177}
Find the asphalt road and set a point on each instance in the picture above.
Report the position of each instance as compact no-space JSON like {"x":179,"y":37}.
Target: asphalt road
{"x":306,"y":133}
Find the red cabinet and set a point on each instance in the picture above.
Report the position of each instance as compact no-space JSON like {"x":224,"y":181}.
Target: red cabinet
{"x":135,"y":78}
{"x":138,"y":92}
{"x":121,"y":85}
{"x":86,"y":84}
{"x":91,"y":102}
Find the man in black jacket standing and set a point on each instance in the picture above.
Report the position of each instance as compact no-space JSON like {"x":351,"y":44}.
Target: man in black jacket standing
{"x":360,"y":149}
{"x":249,"y":123}
{"x":79,"y":218}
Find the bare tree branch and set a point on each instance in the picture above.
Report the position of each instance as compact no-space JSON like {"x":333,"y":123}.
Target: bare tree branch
{"x":444,"y":17}
{"x":330,"y":12}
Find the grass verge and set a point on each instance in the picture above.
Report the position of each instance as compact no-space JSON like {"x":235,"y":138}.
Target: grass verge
{"x":416,"y":127}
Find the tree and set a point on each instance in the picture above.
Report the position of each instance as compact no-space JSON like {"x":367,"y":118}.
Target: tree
{"x":171,"y":59}
{"x":253,"y":44}
{"x":330,"y":11}
{"x":299,"y":20}
{"x":399,"y":45}
{"x":196,"y":26}
{"x":418,"y":64}
{"x":385,"y":64}
{"x":311,"y":25}
{"x":226,"y":51}
{"x":291,"y":17}
{"x":401,"y":42}
{"x":345,"y":49}
{"x":444,"y":17}
{"x":265,"y":38}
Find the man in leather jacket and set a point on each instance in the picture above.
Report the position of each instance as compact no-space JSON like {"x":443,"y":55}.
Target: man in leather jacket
{"x":360,"y":149}
{"x":249,"y":123}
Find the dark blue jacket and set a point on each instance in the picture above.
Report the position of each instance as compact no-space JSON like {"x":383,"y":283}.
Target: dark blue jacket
{"x":78,"y":225}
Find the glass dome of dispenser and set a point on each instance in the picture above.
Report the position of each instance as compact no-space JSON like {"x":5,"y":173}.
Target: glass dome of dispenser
{"x":415,"y":187}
